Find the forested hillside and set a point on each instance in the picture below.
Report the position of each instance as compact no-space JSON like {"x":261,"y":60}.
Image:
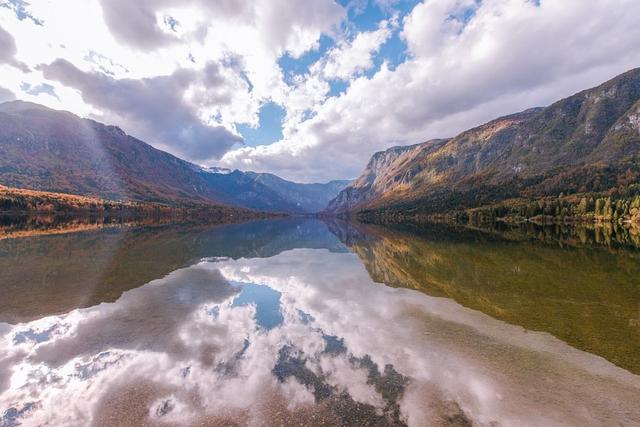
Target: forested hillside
{"x":576,"y":158}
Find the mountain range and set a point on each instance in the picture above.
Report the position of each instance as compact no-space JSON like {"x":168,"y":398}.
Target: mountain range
{"x":587,"y":143}
{"x":585,"y":147}
{"x":56,"y":151}
{"x":268,"y":192}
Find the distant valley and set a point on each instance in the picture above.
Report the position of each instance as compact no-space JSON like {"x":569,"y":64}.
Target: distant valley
{"x":268,"y":192}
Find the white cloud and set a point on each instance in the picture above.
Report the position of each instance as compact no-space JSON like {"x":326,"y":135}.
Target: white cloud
{"x":469,"y":63}
{"x":432,"y":26}
{"x":8,"y":50}
{"x":293,"y":26}
{"x":162,"y":109}
{"x":307,"y":92}
{"x":349,"y":59}
{"x":6,"y":95}
{"x":163,"y":46}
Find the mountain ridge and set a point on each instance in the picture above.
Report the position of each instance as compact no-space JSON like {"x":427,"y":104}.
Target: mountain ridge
{"x":524,"y":154}
{"x":269,"y":192}
{"x":57,"y":151}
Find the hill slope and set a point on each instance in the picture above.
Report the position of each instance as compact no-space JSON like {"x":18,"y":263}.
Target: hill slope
{"x":49,"y":150}
{"x":589,"y":142}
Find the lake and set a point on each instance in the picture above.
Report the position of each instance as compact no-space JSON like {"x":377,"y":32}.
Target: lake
{"x":305,"y":322}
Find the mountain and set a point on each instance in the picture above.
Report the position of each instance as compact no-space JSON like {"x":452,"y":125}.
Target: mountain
{"x":56,"y":151}
{"x":44,"y":149}
{"x":587,"y":143}
{"x":268,"y":192}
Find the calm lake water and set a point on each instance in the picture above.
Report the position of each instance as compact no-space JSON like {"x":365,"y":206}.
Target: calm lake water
{"x":301,"y":322}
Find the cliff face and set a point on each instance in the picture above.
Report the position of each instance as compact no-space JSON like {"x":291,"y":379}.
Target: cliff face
{"x":387,"y":170}
{"x":516,"y":155}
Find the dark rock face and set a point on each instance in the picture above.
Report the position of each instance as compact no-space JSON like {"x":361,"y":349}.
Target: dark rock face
{"x":520,"y":154}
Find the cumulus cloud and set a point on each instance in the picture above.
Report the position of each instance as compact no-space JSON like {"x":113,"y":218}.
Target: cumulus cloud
{"x":466,"y":62}
{"x":8,"y":51}
{"x":346,"y":60}
{"x":6,"y":95}
{"x":349,"y":59}
{"x":156,"y":108}
{"x":295,"y":26}
{"x":134,"y":23}
{"x":284,"y":25}
{"x":137,"y":23}
{"x":473,"y":62}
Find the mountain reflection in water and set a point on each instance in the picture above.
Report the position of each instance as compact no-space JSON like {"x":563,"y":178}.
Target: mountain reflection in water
{"x":294,"y":321}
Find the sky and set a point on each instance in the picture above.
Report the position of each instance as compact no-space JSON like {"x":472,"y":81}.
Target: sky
{"x":309,"y":89}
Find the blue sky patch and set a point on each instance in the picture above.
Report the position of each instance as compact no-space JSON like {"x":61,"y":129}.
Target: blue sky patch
{"x":363,"y":16}
{"x":298,"y":66}
{"x":393,"y":51}
{"x":267,"y":302}
{"x":337,"y":87}
{"x":38,"y":89}
{"x":270,"y":128}
{"x":20,"y":8}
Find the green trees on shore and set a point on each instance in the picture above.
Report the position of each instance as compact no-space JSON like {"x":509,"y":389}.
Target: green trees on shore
{"x":575,"y":208}
{"x":614,"y":207}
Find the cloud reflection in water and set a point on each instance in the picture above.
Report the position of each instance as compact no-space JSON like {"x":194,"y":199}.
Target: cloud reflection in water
{"x":302,"y":336}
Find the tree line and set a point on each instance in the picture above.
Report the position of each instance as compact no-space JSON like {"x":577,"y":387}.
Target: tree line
{"x":581,"y":208}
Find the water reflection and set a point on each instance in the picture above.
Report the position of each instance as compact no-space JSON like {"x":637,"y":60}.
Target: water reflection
{"x":588,"y":296}
{"x":53,"y":274}
{"x":274,"y":323}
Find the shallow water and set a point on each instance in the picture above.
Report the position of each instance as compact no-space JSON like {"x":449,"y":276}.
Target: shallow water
{"x":301,"y":322}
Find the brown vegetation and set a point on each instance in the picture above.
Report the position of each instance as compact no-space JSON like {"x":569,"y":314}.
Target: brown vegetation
{"x":44,"y":212}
